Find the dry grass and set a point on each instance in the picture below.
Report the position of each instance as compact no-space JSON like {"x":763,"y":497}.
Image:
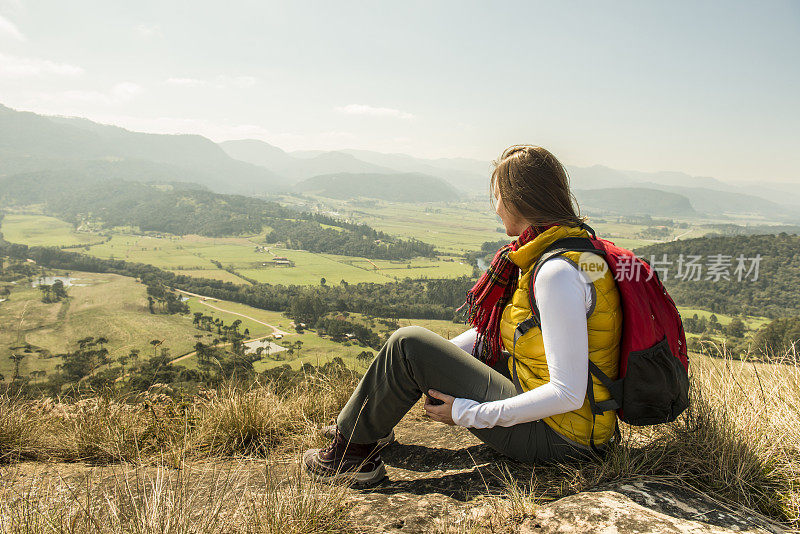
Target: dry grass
{"x":260,"y":420}
{"x":739,"y":444}
{"x":19,"y":432}
{"x":235,"y":498}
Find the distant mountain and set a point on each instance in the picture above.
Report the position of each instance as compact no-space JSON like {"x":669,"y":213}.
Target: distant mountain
{"x":780,"y":192}
{"x":715,"y":202}
{"x":466,"y":175}
{"x":634,"y":201}
{"x":707,"y":195}
{"x":405,"y":187}
{"x":297,"y":168}
{"x":598,"y":176}
{"x":31,"y":142}
{"x":469,"y":175}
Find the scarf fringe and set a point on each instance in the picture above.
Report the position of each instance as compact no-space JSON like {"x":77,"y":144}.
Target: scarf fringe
{"x":487,"y":298}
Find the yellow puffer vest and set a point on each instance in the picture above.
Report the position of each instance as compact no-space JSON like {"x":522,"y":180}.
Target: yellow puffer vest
{"x":604,"y":326}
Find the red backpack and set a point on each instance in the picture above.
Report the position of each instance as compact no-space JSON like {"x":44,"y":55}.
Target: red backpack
{"x":653,"y":383}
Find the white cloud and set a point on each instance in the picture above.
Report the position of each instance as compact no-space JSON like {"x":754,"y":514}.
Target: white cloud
{"x":363,"y":109}
{"x":9,"y":28}
{"x":148,"y":30}
{"x":25,"y":67}
{"x":125,"y":90}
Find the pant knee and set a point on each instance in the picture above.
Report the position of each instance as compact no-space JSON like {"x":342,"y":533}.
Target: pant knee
{"x":407,"y":332}
{"x":409,"y":339}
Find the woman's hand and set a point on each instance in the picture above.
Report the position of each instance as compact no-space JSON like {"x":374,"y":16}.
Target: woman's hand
{"x":442,"y":413}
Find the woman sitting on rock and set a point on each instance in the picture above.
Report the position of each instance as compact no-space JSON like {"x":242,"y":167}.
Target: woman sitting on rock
{"x":469,"y":382}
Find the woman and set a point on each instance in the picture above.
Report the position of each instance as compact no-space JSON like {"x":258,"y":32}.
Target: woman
{"x":550,"y":419}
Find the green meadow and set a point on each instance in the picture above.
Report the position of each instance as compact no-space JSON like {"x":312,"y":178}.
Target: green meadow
{"x":115,"y":307}
{"x":752,"y":323}
{"x":104,"y":305}
{"x":40,"y":230}
{"x":196,"y":255}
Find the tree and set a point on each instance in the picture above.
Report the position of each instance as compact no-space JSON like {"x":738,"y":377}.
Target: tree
{"x":779,"y":338}
{"x":736,"y":328}
{"x":155,"y":343}
{"x":17,"y":359}
{"x":123,"y":361}
{"x":59,"y":290}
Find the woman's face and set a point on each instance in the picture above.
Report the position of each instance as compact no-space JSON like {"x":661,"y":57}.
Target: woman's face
{"x":514,"y":224}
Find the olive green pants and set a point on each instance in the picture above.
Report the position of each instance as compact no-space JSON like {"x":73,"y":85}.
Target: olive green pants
{"x":415,"y":360}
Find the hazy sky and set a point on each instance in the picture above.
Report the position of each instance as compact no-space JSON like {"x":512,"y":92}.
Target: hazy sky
{"x":709,"y":88}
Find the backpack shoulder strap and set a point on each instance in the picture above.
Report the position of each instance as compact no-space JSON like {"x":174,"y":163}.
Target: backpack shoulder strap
{"x":557,"y":248}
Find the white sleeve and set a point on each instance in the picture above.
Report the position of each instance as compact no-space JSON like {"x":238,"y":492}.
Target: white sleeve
{"x":563,"y":297}
{"x":466,"y":340}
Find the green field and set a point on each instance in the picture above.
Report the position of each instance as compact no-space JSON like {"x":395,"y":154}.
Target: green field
{"x":752,"y":323}
{"x":115,"y":307}
{"x":458,"y":227}
{"x":108,"y":305}
{"x":195,"y":256}
{"x":44,"y":231}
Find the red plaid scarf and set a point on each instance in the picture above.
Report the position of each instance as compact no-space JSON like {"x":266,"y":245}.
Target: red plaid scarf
{"x":488,"y":297}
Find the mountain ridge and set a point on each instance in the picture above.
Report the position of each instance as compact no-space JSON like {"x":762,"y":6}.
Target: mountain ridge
{"x":396,"y":187}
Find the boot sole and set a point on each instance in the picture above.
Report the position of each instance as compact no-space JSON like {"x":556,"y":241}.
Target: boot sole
{"x":354,"y":478}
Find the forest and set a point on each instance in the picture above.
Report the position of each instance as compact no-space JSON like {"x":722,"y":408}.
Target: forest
{"x":179,"y":208}
{"x":774,"y":291}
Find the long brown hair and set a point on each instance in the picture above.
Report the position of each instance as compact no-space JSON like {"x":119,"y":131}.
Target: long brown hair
{"x":534,"y":184}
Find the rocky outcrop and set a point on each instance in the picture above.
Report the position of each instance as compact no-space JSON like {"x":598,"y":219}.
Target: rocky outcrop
{"x":640,"y":507}
{"x":443,"y":478}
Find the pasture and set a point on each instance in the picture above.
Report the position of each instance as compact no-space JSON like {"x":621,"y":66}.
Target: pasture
{"x":40,"y":230}
{"x":107,"y":305}
{"x":196,"y":256}
{"x":115,"y":307}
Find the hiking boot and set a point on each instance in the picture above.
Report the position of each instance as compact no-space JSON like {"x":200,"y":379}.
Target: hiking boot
{"x":346,"y":462}
{"x":330,"y":433}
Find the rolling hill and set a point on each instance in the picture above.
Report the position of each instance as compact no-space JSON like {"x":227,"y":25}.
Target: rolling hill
{"x":635,"y":201}
{"x":397,"y":187}
{"x":31,"y":142}
{"x":293,"y":168}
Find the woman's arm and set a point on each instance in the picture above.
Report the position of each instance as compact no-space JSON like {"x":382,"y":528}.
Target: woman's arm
{"x":466,"y":340}
{"x":562,"y":296}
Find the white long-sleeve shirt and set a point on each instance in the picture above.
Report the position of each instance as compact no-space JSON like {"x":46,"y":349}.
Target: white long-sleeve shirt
{"x":564,"y":296}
